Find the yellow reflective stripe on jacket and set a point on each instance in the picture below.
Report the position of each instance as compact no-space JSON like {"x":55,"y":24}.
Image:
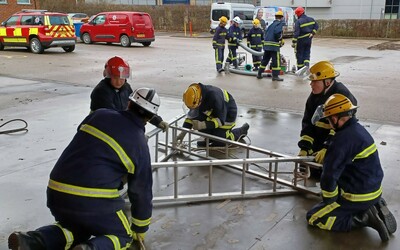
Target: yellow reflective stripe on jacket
{"x":269,"y":43}
{"x":323,"y":125}
{"x":322,"y":212}
{"x":83,"y":191}
{"x":332,"y":132}
{"x":328,"y":225}
{"x":366,"y":152}
{"x":69,"y":237}
{"x":226,"y":95}
{"x":307,"y":24}
{"x":112,"y":143}
{"x":114,"y":239}
{"x":125,"y":222}
{"x":328,"y":194}
{"x":141,"y":223}
{"x":361,"y":197}
{"x":305,"y":35}
{"x":307,"y":138}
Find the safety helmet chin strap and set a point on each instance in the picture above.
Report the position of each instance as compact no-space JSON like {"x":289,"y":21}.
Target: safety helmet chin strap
{"x":326,"y":87}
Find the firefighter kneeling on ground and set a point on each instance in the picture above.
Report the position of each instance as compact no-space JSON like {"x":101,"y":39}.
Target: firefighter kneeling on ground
{"x":212,"y":111}
{"x":108,"y":149}
{"x":351,"y":180}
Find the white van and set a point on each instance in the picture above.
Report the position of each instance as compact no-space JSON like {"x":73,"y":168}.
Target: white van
{"x":268,"y":14}
{"x":230,"y":10}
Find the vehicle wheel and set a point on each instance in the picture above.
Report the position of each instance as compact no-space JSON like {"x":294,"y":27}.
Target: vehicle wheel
{"x":86,"y":38}
{"x":146,"y":44}
{"x":125,"y":42}
{"x":1,"y":46}
{"x":69,"y":48}
{"x":36,"y":46}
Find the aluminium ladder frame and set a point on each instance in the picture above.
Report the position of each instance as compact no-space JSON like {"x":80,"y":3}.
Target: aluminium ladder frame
{"x":245,"y":166}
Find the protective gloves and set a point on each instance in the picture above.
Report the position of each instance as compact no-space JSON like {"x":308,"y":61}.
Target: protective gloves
{"x":293,"y":45}
{"x":199,"y":125}
{"x":180,"y":137}
{"x":163,"y":125}
{"x":311,"y":35}
{"x":304,"y":152}
{"x":320,"y":156}
{"x":138,"y":236}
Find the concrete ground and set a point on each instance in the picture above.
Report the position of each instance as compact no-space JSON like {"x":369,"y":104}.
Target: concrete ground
{"x":51,"y":92}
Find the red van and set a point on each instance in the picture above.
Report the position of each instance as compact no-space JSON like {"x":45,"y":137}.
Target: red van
{"x":123,"y":27}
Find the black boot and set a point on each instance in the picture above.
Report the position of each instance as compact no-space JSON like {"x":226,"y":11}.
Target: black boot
{"x":386,"y":216}
{"x":243,"y":130}
{"x":371,"y":219}
{"x":276,"y":78}
{"x":26,"y":241}
{"x":259,"y":73}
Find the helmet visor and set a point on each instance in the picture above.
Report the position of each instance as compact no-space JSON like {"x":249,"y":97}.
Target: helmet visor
{"x":318,"y":114}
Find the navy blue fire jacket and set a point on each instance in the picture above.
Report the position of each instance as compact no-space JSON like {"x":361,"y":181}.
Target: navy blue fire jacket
{"x":218,"y":109}
{"x":352,"y":167}
{"x":108,"y":146}
{"x":314,"y":136}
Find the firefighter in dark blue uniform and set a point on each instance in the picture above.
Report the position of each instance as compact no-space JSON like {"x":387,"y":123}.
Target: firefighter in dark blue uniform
{"x":212,"y":111}
{"x":304,"y":30}
{"x":313,"y":137}
{"x":272,"y":43}
{"x":114,"y":90}
{"x":109,"y":147}
{"x":255,"y":39}
{"x":351,"y":180}
{"x":234,"y":37}
{"x":218,"y":42}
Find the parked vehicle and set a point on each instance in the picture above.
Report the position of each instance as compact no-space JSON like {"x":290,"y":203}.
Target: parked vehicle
{"x":38,"y":30}
{"x":230,"y":10}
{"x":268,"y":14}
{"x":123,"y":27}
{"x":78,"y":17}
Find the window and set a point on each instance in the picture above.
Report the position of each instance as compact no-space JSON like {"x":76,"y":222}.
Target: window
{"x":216,"y":14}
{"x":27,"y":20}
{"x":12,"y":21}
{"x":244,"y":15}
{"x":59,"y":20}
{"x":99,"y":19}
{"x":23,"y":1}
{"x":3,"y":1}
{"x":392,"y":9}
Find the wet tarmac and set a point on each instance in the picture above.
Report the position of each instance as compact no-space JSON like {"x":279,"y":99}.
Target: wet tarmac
{"x":53,"y":106}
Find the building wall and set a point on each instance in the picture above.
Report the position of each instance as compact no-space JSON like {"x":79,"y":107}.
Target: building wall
{"x":335,"y":9}
{"x":9,"y":7}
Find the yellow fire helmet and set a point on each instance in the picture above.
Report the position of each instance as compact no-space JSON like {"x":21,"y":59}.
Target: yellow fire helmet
{"x":279,"y":13}
{"x":256,"y":22}
{"x":223,"y":20}
{"x":192,"y":96}
{"x":322,"y":70}
{"x":336,"y":104}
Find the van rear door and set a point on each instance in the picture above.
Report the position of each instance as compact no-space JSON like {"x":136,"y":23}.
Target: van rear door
{"x":216,"y":13}
{"x":142,"y":26}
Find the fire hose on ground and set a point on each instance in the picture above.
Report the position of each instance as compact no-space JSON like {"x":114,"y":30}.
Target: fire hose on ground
{"x":248,"y":72}
{"x":23,"y":128}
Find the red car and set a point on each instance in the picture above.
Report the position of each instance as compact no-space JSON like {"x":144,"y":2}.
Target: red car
{"x":123,"y":27}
